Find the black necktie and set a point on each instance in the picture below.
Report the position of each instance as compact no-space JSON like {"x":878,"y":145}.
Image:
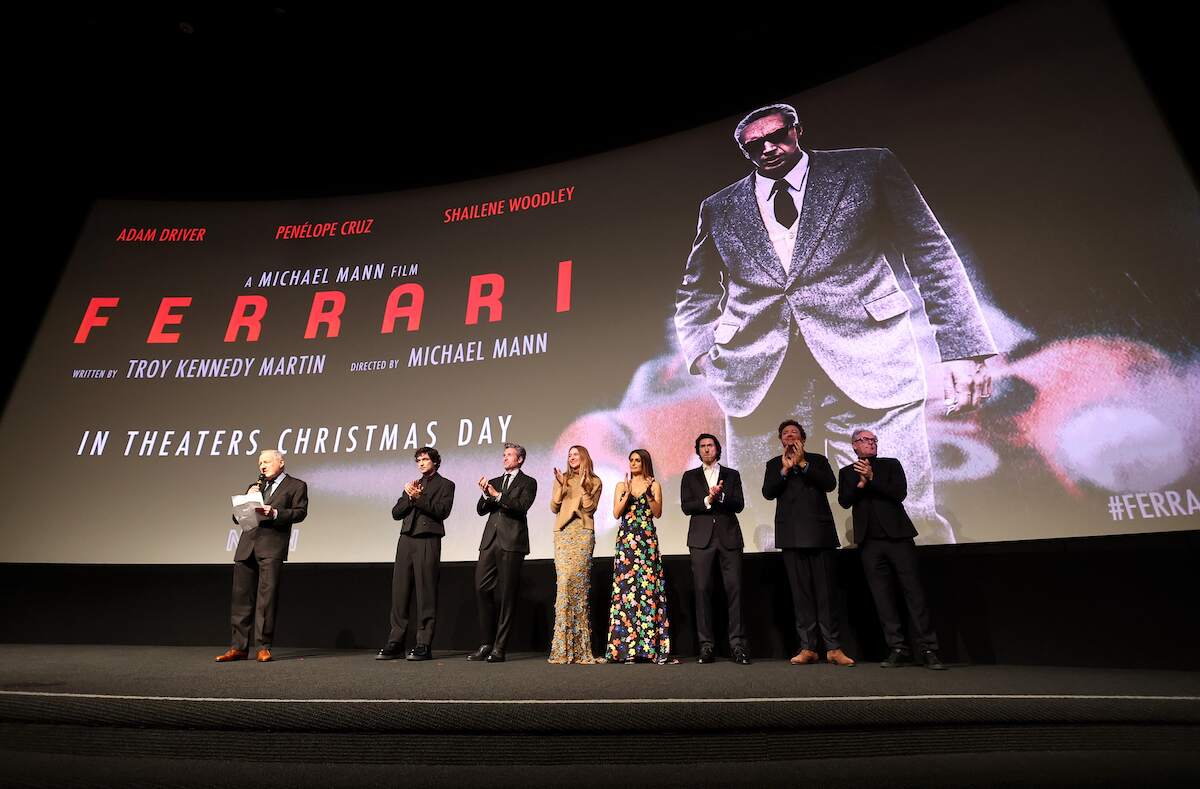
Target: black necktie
{"x":504,"y":485}
{"x":266,"y":493}
{"x":785,"y":206}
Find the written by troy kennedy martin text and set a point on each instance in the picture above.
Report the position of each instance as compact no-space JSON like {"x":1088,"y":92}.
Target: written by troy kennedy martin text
{"x":226,"y":367}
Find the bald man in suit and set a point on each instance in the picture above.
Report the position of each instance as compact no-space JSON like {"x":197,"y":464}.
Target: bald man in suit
{"x":261,"y":552}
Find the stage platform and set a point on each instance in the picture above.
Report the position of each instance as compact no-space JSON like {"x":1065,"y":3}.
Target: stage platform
{"x":98,"y":715}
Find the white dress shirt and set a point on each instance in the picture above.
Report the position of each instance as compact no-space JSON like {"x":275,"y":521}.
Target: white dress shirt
{"x":712,"y":475}
{"x":783,"y":239}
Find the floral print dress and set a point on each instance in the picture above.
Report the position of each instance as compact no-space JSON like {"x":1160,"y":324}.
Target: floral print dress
{"x":638,"y":625}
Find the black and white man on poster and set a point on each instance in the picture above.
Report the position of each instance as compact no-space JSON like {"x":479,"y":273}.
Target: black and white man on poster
{"x":788,"y":299}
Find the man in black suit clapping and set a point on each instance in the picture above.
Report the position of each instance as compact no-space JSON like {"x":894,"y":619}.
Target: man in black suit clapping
{"x":875,"y":488}
{"x":423,"y":509}
{"x":798,"y":481}
{"x":505,"y":501}
{"x":712,"y":496}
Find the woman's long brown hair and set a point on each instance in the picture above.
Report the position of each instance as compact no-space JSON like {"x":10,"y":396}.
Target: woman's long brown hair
{"x":590,"y":480}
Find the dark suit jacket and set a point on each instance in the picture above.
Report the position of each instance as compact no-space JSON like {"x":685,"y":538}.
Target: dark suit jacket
{"x":803,"y":518}
{"x":507,"y":519}
{"x":426,"y":515}
{"x":270,"y":540}
{"x":880,"y":498}
{"x":738,"y":306}
{"x":722,"y":518}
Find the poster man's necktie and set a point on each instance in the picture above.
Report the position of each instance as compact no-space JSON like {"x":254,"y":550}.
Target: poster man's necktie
{"x":785,"y":207}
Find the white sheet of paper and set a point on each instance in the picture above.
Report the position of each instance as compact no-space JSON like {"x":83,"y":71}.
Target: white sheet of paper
{"x":244,"y":510}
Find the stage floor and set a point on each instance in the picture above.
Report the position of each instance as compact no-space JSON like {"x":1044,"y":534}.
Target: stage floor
{"x":174,"y":706}
{"x":148,"y":671}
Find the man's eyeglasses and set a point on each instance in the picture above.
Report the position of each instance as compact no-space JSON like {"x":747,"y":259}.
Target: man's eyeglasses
{"x":866,"y":440}
{"x":778,"y":137}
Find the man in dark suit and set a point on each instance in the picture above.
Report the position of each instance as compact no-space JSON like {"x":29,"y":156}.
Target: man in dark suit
{"x":505,"y":501}
{"x":798,"y":481}
{"x":259,"y":558}
{"x":875,"y":488}
{"x":423,"y":508}
{"x":712,"y":496}
{"x":788,"y":295}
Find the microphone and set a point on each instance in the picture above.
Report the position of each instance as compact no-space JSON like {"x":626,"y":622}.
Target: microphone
{"x":263,"y":482}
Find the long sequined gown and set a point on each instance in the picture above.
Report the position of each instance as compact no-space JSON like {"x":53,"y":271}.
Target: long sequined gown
{"x":573,"y":546}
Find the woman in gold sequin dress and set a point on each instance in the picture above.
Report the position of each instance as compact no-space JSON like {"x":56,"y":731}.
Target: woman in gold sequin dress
{"x":576,"y":495}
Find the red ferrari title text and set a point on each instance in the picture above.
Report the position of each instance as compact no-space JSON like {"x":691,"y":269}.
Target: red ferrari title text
{"x":405,"y":303}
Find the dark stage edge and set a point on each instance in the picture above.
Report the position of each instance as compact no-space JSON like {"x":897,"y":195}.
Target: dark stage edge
{"x":146,"y":714}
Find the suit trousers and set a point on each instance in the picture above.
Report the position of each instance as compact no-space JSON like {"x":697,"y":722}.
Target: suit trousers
{"x":812,"y":576}
{"x":802,"y":391}
{"x":255,"y":594}
{"x":418,"y":562}
{"x":497,"y":578}
{"x":730,"y":562}
{"x":886,"y":564}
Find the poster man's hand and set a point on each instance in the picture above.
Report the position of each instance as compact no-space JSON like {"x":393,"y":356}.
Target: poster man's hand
{"x":966,"y":383}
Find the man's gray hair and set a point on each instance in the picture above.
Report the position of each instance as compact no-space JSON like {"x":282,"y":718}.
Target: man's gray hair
{"x":278,"y":455}
{"x":786,"y":110}
{"x":520,"y":450}
{"x":858,"y":431}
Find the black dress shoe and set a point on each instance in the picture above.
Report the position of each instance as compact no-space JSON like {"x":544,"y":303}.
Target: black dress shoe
{"x":896,"y":659}
{"x":496,"y":656}
{"x":420,"y":652}
{"x":740,"y":657}
{"x":481,"y":653}
{"x":706,"y":654}
{"x":932,"y":661}
{"x":392,"y":651}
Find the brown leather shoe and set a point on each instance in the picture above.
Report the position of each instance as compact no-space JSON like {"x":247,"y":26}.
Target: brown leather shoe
{"x":804,"y":657}
{"x":264,"y":655}
{"x":232,"y":654}
{"x":839,"y":658}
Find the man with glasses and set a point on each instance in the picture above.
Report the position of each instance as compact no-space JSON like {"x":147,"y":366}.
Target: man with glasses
{"x":875,"y":489}
{"x":788,"y":303}
{"x":423,"y":509}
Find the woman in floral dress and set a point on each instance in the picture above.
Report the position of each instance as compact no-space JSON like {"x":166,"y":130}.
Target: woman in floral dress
{"x":574,"y":501}
{"x":638,"y":629}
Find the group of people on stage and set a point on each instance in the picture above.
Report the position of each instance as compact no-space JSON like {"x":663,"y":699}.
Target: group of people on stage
{"x":788,"y":303}
{"x":797,"y":480}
